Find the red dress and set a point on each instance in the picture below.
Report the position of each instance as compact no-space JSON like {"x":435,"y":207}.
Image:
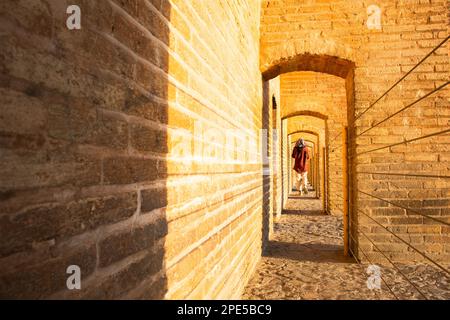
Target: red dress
{"x":301,"y":156}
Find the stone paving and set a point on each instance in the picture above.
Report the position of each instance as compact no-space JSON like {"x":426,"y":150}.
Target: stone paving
{"x":304,"y":260}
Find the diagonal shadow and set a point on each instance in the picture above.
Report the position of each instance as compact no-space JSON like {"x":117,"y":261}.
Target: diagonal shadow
{"x":309,"y":213}
{"x":307,"y":252}
{"x":99,"y":97}
{"x":294,"y":197}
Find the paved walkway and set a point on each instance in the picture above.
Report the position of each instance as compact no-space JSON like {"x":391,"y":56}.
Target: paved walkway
{"x":305,"y":259}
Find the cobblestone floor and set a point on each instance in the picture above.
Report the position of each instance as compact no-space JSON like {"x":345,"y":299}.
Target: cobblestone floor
{"x":304,"y":260}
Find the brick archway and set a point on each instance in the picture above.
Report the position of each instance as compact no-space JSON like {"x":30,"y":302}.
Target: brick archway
{"x":313,"y":146}
{"x":319,"y":55}
{"x":318,"y":128}
{"x":305,"y":131}
{"x":315,"y":178}
{"x":306,"y":113}
{"x":337,"y":62}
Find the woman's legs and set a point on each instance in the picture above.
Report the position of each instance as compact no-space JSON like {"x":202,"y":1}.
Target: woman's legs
{"x":298,"y":177}
{"x":301,"y":183}
{"x":304,"y":184}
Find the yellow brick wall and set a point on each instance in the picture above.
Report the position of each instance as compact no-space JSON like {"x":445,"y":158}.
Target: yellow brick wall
{"x":214,"y":237}
{"x":112,"y":136}
{"x":275,"y":154}
{"x":285,"y":161}
{"x":112,"y":148}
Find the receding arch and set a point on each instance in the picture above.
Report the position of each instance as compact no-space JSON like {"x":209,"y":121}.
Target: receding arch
{"x":335,"y":61}
{"x":315,"y":52}
{"x":306,"y":113}
{"x":318,"y":130}
{"x":309,"y":141}
{"x":313,"y":174}
{"x":304,"y":131}
{"x":310,"y":62}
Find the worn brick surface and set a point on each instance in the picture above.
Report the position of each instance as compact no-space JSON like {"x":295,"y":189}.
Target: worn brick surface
{"x":103,"y":135}
{"x":113,"y":138}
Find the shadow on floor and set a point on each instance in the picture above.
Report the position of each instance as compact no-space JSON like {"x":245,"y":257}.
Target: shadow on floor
{"x":312,"y":252}
{"x":310,"y":213}
{"x":296,"y":197}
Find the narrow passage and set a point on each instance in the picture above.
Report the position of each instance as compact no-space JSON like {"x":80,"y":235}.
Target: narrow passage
{"x":304,"y":260}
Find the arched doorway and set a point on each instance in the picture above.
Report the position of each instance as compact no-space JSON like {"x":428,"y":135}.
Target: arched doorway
{"x":335,"y":67}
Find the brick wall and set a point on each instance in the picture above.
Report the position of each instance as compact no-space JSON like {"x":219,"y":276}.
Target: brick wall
{"x":275,"y":108}
{"x":285,"y":161}
{"x":110,"y":154}
{"x":123,"y":149}
{"x":330,"y":36}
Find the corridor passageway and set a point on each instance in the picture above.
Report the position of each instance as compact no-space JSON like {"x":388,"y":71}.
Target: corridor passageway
{"x":145,"y":150}
{"x":304,"y":261}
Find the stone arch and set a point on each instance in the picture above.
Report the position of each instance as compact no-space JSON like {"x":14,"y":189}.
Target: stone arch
{"x":340,"y":63}
{"x":306,"y":113}
{"x":320,"y":55}
{"x":309,"y":132}
{"x":312,"y":143}
{"x":315,"y":143}
{"x":305,"y":131}
{"x":305,"y":125}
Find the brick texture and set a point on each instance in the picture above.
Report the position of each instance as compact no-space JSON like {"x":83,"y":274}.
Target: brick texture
{"x":146,"y":147}
{"x":110,"y":157}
